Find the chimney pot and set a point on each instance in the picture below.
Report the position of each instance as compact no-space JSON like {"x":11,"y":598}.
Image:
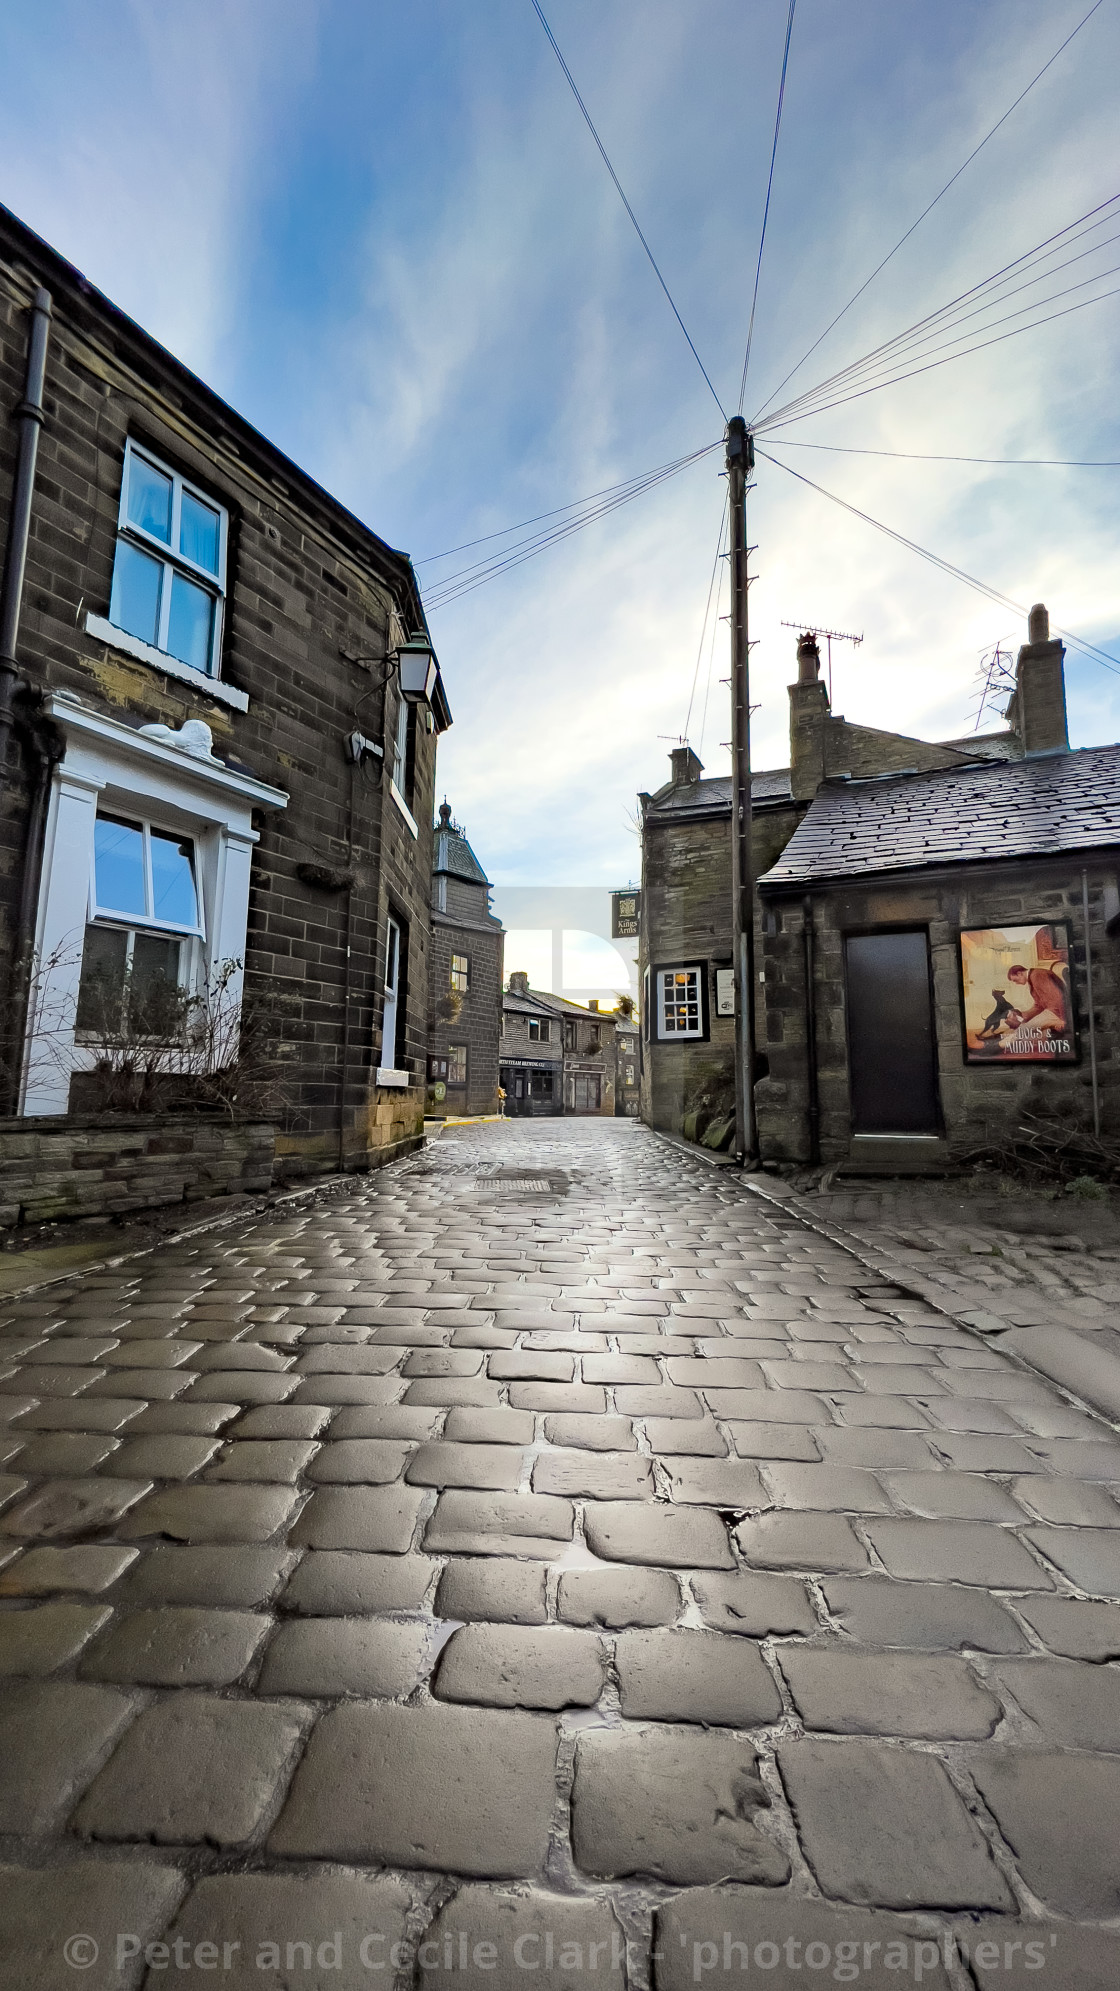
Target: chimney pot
{"x":1038,"y":624}
{"x":519,"y":983}
{"x":808,"y":658}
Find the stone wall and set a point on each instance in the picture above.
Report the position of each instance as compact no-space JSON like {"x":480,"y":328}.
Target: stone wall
{"x":686,"y":916}
{"x":314,"y":602}
{"x":478,"y":1023}
{"x":979,"y":1103}
{"x":54,"y":1168}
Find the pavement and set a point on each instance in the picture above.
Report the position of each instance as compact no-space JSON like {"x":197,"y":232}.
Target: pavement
{"x":552,"y":1562}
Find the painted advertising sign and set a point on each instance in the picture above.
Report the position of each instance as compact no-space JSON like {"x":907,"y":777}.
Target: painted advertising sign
{"x":1015,"y":989}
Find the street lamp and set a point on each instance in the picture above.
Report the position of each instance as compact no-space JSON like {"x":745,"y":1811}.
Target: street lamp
{"x":418,"y":670}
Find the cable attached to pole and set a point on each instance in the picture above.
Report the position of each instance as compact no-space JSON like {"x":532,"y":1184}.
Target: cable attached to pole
{"x":587,"y":118}
{"x":766,"y":209}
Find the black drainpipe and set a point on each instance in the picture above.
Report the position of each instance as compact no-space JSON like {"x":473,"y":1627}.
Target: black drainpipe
{"x":30,"y":417}
{"x":811,"y":1032}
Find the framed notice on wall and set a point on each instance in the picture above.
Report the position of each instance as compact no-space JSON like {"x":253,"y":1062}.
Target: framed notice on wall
{"x":1016,"y":995}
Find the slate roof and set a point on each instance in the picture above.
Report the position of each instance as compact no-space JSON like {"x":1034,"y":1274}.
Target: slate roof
{"x":452,"y":854}
{"x":1035,"y":807}
{"x":703,"y":797}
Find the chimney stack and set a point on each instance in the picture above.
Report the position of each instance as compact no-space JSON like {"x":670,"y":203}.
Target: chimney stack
{"x":1037,"y":711}
{"x":519,"y":983}
{"x":687,"y":768}
{"x":808,"y":721}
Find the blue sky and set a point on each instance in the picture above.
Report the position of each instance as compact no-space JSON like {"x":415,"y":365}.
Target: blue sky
{"x":383,"y":233}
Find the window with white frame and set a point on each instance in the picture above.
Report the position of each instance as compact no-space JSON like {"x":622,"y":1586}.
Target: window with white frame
{"x":145,"y":920}
{"x":400,"y":747}
{"x":456,"y":1064}
{"x":169,"y":575}
{"x":680,"y":1003}
{"x":460,"y":973}
{"x":538,"y":1030}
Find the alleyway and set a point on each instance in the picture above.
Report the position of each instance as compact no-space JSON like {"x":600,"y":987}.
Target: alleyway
{"x":550,"y":1563}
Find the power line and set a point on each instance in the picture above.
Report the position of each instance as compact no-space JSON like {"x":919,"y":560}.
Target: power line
{"x":678,"y":463}
{"x":923,"y":330}
{"x":945,"y":566}
{"x":622,"y":197}
{"x":988,"y":288}
{"x":766,"y":209}
{"x":921,"y":456}
{"x":707,"y":612}
{"x":468,"y":578}
{"x":928,"y":210}
{"x":979,"y":347}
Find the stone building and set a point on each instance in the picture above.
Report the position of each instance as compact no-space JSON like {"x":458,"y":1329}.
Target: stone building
{"x":915,"y":900}
{"x":557,"y":1056}
{"x":217,"y":750}
{"x":464,"y":980}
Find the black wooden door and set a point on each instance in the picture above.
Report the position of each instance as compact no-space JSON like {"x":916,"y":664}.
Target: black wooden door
{"x":890,"y":1034}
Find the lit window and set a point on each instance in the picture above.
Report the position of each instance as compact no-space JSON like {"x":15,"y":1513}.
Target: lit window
{"x":680,"y":1007}
{"x":456,"y":1064}
{"x":170,"y":568}
{"x":538,"y":1030}
{"x":143,"y":922}
{"x":460,"y":973}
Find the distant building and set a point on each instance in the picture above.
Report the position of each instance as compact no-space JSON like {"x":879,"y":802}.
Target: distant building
{"x":558,"y":1056}
{"x":934,"y":939}
{"x":464,"y":980}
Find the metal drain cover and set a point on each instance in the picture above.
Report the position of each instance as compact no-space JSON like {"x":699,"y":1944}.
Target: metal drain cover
{"x":516,"y":1186}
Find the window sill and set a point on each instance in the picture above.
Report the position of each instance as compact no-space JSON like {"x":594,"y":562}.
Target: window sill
{"x":386,"y":1075}
{"x":406,"y":812}
{"x":104,"y":631}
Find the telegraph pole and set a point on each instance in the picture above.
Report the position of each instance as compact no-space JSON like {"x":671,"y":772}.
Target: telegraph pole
{"x":740,"y":463}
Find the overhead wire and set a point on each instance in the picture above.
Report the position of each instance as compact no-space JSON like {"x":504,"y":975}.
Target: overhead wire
{"x":467,"y":579}
{"x":945,"y":566}
{"x":588,"y":120}
{"x":924,"y":456}
{"x":903,"y":239}
{"x":576,"y":504}
{"x":707,"y":612}
{"x":987,"y":291}
{"x":766,"y":208}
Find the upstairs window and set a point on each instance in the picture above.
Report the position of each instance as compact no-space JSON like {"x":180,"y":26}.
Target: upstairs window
{"x":538,"y":1030}
{"x":593,"y":1037}
{"x":569,"y":1036}
{"x":144,"y":921}
{"x":460,"y":973}
{"x":169,"y":575}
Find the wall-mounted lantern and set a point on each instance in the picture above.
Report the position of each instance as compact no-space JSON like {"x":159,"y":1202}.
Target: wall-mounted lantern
{"x":418,"y":669}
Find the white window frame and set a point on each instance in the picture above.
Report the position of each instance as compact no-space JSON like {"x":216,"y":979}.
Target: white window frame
{"x":541,"y":1025}
{"x":461,"y":987}
{"x":128,"y":773}
{"x":192,"y":959}
{"x":391,"y":987}
{"x":666,"y":982}
{"x":169,"y":556}
{"x":459,"y":1084}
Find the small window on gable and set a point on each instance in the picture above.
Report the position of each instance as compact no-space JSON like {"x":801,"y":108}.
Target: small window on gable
{"x":169,"y":574}
{"x":460,"y":973}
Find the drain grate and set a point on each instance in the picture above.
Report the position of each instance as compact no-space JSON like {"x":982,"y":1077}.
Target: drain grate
{"x":515,"y":1186}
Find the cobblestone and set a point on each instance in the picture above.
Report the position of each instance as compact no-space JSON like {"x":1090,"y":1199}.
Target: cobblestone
{"x":643,"y":1540}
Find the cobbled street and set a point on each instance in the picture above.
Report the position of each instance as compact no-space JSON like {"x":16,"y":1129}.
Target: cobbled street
{"x":548,"y":1562}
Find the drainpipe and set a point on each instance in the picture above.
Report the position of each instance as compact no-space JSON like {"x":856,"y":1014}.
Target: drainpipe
{"x":1089,"y":996}
{"x":811,"y":1031}
{"x":29,"y":414}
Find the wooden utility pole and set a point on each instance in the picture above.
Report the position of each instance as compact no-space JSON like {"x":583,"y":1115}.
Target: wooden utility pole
{"x":740,"y":463}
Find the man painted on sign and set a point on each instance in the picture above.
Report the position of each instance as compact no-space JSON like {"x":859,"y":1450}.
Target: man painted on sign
{"x":1047,"y":995}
